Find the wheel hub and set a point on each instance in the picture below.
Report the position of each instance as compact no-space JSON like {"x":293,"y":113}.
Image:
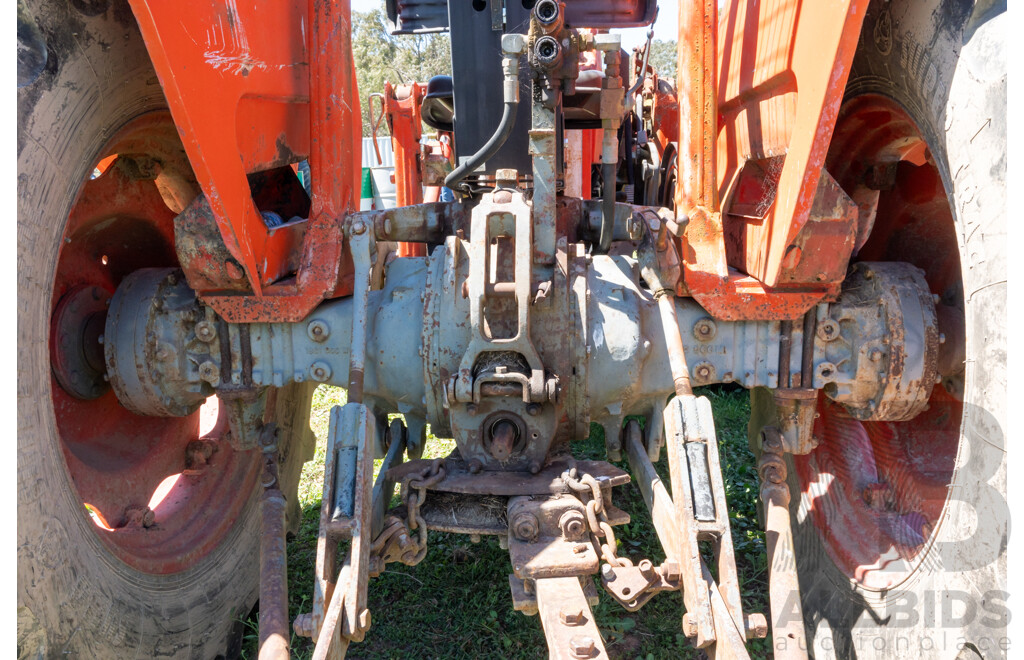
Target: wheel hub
{"x":76,"y":342}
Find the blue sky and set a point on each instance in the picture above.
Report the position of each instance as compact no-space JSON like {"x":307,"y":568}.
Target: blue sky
{"x":665,"y":28}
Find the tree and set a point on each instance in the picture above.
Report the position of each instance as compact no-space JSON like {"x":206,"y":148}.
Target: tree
{"x":397,"y":59}
{"x":663,"y":59}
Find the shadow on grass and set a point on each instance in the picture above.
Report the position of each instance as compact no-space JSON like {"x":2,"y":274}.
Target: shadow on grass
{"x":457,"y":604}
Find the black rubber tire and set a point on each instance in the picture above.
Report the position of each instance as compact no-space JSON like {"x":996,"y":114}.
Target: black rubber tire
{"x":74,"y":597}
{"x":944,"y":62}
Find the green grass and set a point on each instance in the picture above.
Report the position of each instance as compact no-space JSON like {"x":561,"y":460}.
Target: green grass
{"x":456,"y":603}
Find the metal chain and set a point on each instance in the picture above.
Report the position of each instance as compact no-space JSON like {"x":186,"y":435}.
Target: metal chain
{"x":597,"y":517}
{"x":414,"y":494}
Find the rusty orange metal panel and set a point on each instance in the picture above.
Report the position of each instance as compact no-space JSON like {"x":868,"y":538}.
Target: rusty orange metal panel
{"x":402,"y":110}
{"x":251,"y":87}
{"x":783,"y":68}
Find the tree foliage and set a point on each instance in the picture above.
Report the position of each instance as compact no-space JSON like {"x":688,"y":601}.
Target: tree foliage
{"x":663,"y":59}
{"x":397,"y":59}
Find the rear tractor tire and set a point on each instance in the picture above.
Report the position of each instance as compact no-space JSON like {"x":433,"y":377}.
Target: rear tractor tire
{"x":137,"y":536}
{"x":900,"y":528}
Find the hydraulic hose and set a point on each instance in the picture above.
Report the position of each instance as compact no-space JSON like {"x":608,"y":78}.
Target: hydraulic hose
{"x":512,"y":46}
{"x":508,"y":120}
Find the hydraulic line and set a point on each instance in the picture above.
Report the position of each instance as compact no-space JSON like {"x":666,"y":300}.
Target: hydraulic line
{"x":512,"y":47}
{"x":508,"y":120}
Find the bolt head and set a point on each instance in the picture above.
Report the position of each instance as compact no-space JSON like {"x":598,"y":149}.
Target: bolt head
{"x":209,"y":372}
{"x":358,"y":227}
{"x":572,"y":616}
{"x":533,"y":409}
{"x":526,"y":527}
{"x":318,"y":331}
{"x":689,"y":625}
{"x":320,"y":371}
{"x":875,"y":355}
{"x":205,"y":331}
{"x":582,"y":647}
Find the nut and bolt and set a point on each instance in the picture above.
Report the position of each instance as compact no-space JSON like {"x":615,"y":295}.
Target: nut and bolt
{"x":209,"y":372}
{"x":689,"y":625}
{"x":572,"y":617}
{"x":828,"y":330}
{"x":647,"y":569}
{"x":358,"y":227}
{"x":826,"y":371}
{"x":320,"y":371}
{"x":703,"y":372}
{"x":303,"y":625}
{"x":704,"y":330}
{"x":205,"y":332}
{"x":318,"y":331}
{"x":875,"y":355}
{"x":582,"y":647}
{"x":533,"y":409}
{"x":671,"y":571}
{"x":525,"y":527}
{"x":136,"y":516}
{"x":475,"y":466}
{"x":757,"y":626}
{"x":607,"y":572}
{"x":573,"y":525}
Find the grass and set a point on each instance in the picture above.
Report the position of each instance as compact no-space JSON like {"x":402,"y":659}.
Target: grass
{"x":456,"y":603}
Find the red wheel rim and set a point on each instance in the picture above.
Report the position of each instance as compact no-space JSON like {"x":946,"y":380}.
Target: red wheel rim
{"x":162,"y":492}
{"x":875,"y":490}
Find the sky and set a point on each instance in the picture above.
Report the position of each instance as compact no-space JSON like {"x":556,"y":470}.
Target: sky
{"x":665,"y":28}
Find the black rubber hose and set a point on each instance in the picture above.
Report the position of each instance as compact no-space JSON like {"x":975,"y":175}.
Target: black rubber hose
{"x":604,"y":241}
{"x":508,"y":120}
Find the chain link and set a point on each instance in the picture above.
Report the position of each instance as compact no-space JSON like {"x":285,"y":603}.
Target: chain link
{"x":414,"y":494}
{"x":597,"y":517}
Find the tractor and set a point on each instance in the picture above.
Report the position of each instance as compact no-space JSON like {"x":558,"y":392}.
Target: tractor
{"x":813,"y":209}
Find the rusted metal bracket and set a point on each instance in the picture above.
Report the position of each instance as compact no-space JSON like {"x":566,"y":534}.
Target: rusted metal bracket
{"x":724,"y":628}
{"x":567,"y":620}
{"x":783,"y":583}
